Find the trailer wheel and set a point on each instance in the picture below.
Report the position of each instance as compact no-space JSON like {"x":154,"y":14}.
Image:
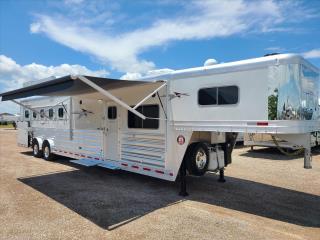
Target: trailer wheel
{"x":197,"y":158}
{"x":35,"y":149}
{"x":46,"y":149}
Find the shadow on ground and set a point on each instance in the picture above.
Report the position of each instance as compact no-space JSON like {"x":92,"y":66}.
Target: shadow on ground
{"x":274,"y":154}
{"x":27,"y":153}
{"x":113,"y":198}
{"x":269,"y":153}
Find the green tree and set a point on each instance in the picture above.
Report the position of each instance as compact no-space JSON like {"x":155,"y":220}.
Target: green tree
{"x":272,"y":105}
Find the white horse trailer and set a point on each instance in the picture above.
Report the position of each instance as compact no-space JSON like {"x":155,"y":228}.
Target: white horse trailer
{"x":186,"y":120}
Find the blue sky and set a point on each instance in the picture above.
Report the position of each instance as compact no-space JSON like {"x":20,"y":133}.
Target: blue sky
{"x":133,"y":38}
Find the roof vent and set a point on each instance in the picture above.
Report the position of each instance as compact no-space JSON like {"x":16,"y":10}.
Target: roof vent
{"x":210,"y":62}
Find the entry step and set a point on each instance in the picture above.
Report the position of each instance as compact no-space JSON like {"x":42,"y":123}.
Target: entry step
{"x":91,"y":162}
{"x":108,"y":165}
{"x":86,"y":162}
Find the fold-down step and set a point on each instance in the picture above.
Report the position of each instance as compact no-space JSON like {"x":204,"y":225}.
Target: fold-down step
{"x":108,"y":165}
{"x":86,"y":162}
{"x":91,"y":162}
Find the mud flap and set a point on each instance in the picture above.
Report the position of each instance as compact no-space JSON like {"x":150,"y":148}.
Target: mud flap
{"x":228,"y":146}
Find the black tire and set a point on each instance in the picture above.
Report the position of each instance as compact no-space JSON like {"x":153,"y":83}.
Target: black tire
{"x":36,"y":149}
{"x":46,"y":149}
{"x":197,"y":158}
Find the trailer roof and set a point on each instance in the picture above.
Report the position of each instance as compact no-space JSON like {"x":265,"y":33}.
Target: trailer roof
{"x":241,"y":65}
{"x":68,"y":86}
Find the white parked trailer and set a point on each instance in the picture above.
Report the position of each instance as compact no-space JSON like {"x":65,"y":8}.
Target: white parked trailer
{"x":184,"y":120}
{"x":8,"y":117}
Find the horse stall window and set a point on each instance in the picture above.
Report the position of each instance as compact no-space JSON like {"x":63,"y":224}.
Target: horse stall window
{"x":151,"y":111}
{"x":50,"y":113}
{"x":42,"y":113}
{"x":26,"y":113}
{"x":112,"y":112}
{"x":60,"y":112}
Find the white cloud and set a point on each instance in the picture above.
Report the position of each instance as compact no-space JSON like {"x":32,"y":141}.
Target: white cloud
{"x":131,"y":76}
{"x":35,"y":27}
{"x":13,"y":75}
{"x":150,"y":73}
{"x":197,"y":20}
{"x":315,"y":53}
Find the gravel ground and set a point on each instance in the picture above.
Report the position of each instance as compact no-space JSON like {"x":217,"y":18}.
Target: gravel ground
{"x":266,"y":196}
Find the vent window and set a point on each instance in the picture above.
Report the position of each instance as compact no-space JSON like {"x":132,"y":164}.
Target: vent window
{"x":60,"y":112}
{"x":42,"y":113}
{"x":50,"y":113}
{"x":26,"y":113}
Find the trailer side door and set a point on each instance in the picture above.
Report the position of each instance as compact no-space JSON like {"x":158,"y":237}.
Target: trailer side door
{"x":111,"y":143}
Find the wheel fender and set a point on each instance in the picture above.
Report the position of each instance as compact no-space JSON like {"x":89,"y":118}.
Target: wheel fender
{"x":51,"y":143}
{"x":40,"y":141}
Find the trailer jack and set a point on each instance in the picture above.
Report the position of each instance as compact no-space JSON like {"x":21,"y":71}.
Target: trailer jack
{"x":183,"y":182}
{"x":221,"y":176}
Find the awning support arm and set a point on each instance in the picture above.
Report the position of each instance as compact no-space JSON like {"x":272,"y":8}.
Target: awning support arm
{"x":31,"y":109}
{"x":108,"y":95}
{"x":148,"y":96}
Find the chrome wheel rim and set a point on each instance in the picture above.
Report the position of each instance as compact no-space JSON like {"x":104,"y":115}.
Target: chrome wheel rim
{"x":35,"y":149}
{"x":46,"y":152}
{"x":201,"y":159}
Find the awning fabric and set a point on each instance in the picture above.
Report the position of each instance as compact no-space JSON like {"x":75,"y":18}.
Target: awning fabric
{"x":67,"y":86}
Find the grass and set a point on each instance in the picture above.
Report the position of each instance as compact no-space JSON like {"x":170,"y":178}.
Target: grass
{"x":6,"y":126}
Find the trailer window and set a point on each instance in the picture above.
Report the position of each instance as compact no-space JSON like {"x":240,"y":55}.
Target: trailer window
{"x":60,"y":112}
{"x":112,"y":112}
{"x":26,"y":113}
{"x":42,"y":113}
{"x":228,"y":95}
{"x":151,"y":111}
{"x":34,"y":114}
{"x":207,"y":96}
{"x":218,"y":95}
{"x":50,"y":113}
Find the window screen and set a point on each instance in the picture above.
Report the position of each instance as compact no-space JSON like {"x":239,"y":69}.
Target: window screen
{"x":60,"y":112}
{"x":112,"y":112}
{"x":218,"y":95}
{"x":50,"y":113}
{"x":34,"y":114}
{"x":26,"y":113}
{"x":151,"y":111}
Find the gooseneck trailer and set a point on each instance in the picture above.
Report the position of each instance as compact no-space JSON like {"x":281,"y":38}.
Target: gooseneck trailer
{"x":184,"y":121}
